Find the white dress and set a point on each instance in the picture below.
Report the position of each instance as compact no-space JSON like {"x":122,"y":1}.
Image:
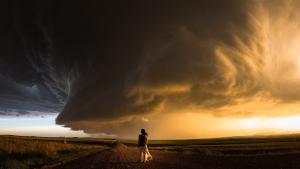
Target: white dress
{"x":148,"y":155}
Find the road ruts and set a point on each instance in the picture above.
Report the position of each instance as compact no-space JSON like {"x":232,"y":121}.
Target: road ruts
{"x":123,"y":158}
{"x":116,"y":158}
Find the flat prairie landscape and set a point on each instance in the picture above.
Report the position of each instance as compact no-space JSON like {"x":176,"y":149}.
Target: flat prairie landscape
{"x":233,"y":152}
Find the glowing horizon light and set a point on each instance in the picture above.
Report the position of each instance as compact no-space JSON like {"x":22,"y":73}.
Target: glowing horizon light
{"x":287,"y":123}
{"x":36,"y":127}
{"x":279,"y":124}
{"x":200,"y":126}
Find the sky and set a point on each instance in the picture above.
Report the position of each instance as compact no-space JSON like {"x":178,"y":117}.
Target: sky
{"x":180,"y":70}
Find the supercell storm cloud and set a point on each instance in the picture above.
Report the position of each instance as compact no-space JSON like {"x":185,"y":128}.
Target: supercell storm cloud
{"x":110,"y":66}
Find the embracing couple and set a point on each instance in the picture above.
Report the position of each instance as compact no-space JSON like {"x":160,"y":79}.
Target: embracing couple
{"x":144,"y":154}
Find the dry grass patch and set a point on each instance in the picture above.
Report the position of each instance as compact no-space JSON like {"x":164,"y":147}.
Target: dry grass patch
{"x":30,"y":152}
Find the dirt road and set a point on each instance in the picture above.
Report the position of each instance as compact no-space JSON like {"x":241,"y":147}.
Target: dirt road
{"x":122,"y":157}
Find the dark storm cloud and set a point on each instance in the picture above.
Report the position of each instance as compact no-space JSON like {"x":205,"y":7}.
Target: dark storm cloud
{"x":164,"y":57}
{"x":147,"y":57}
{"x":14,"y":64}
{"x":22,"y":87}
{"x":24,"y":98}
{"x":22,"y":112}
{"x":108,"y":61}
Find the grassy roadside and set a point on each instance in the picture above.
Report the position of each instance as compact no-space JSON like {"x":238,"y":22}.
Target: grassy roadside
{"x":32,"y":152}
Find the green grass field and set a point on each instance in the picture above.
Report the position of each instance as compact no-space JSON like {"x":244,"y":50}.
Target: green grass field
{"x":29,"y":152}
{"x":263,"y":145}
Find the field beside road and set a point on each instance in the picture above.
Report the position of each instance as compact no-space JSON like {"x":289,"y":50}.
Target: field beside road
{"x":86,"y":153}
{"x":33,"y":152}
{"x":259,"y":145}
